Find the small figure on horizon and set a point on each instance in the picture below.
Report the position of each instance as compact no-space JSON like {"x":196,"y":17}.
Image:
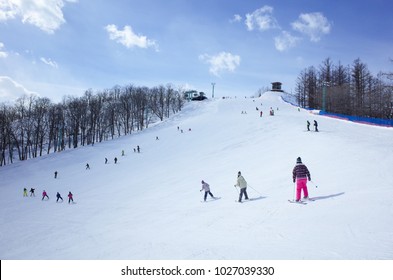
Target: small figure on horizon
{"x":115,"y":160}
{"x":122,"y":153}
{"x":138,"y":149}
{"x":24,"y":192}
{"x":32,"y":192}
{"x":106,"y":160}
{"x":55,"y":174}
{"x":87,"y":166}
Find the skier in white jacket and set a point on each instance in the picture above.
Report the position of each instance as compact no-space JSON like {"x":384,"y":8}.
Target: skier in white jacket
{"x":206,"y":188}
{"x":242,"y":184}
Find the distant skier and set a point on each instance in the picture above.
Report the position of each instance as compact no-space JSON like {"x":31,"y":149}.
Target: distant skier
{"x":44,"y":194}
{"x":138,"y":149}
{"x":87,"y":166}
{"x":206,"y":188}
{"x":260,"y":114}
{"x":70,"y":197}
{"x":106,"y":160}
{"x":122,"y":153}
{"x":300,"y":174}
{"x":115,"y":160}
{"x":242,"y":184}
{"x":316,"y":126}
{"x":58,"y":196}
{"x":55,"y":174}
{"x":157,"y":138}
{"x":32,"y":192}
{"x":24,"y":192}
{"x":308,"y":126}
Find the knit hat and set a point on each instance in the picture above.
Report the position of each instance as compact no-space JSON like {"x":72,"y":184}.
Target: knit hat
{"x":298,"y":160}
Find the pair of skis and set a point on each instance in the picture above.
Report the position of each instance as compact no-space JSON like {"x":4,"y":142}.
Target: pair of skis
{"x":300,"y":201}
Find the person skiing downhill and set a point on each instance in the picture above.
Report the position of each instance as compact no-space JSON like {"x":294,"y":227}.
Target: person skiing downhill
{"x":32,"y":192}
{"x":58,"y":196}
{"x":300,"y":174}
{"x":70,"y":197}
{"x":44,"y":194}
{"x":206,"y":188}
{"x":308,"y":126}
{"x":24,"y":192}
{"x":242,"y":184}
{"x":316,"y":126}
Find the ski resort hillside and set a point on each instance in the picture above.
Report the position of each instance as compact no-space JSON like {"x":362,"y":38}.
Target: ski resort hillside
{"x":149,"y":206}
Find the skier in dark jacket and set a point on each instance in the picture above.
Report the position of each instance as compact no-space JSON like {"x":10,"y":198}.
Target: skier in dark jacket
{"x":32,"y":192}
{"x":206,"y":188}
{"x":316,"y":126}
{"x":308,"y":126}
{"x":300,"y":174}
{"x":58,"y":196}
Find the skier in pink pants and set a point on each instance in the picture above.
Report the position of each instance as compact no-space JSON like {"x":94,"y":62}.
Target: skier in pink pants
{"x":300,"y":175}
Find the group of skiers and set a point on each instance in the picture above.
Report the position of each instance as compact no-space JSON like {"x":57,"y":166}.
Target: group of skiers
{"x":46,"y":197}
{"x":300,"y":175}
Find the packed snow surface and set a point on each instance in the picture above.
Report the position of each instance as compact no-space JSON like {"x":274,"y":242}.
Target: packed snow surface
{"x":149,"y":204}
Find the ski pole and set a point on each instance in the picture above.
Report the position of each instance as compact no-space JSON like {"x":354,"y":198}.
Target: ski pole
{"x":314,"y":184}
{"x":254,"y":189}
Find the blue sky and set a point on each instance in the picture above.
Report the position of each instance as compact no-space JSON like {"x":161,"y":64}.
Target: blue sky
{"x":64,"y":47}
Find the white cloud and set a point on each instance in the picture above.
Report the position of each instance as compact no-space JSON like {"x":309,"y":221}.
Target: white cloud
{"x":45,"y":14}
{"x":285,"y":41}
{"x":313,"y":25}
{"x":236,"y":18}
{"x":49,"y":62}
{"x":3,"y":54}
{"x":128,"y":38}
{"x":224,"y":61}
{"x":11,"y":90}
{"x":262,"y":19}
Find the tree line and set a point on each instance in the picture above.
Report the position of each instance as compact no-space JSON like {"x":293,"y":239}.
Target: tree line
{"x":34,"y":126}
{"x":349,"y":90}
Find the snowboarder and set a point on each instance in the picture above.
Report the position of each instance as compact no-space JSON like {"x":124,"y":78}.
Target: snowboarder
{"x":316,"y":126}
{"x":87,"y":166}
{"x":115,"y":160}
{"x":242,"y":184}
{"x":70,"y":197}
{"x":58,"y":196}
{"x":24,"y":192}
{"x":44,"y":194}
{"x":32,"y":192}
{"x":206,"y":188}
{"x":308,"y":126}
{"x":300,"y":174}
{"x":106,"y":160}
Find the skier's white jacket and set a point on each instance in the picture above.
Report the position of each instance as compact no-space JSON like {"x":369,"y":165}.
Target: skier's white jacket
{"x":241,"y":182}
